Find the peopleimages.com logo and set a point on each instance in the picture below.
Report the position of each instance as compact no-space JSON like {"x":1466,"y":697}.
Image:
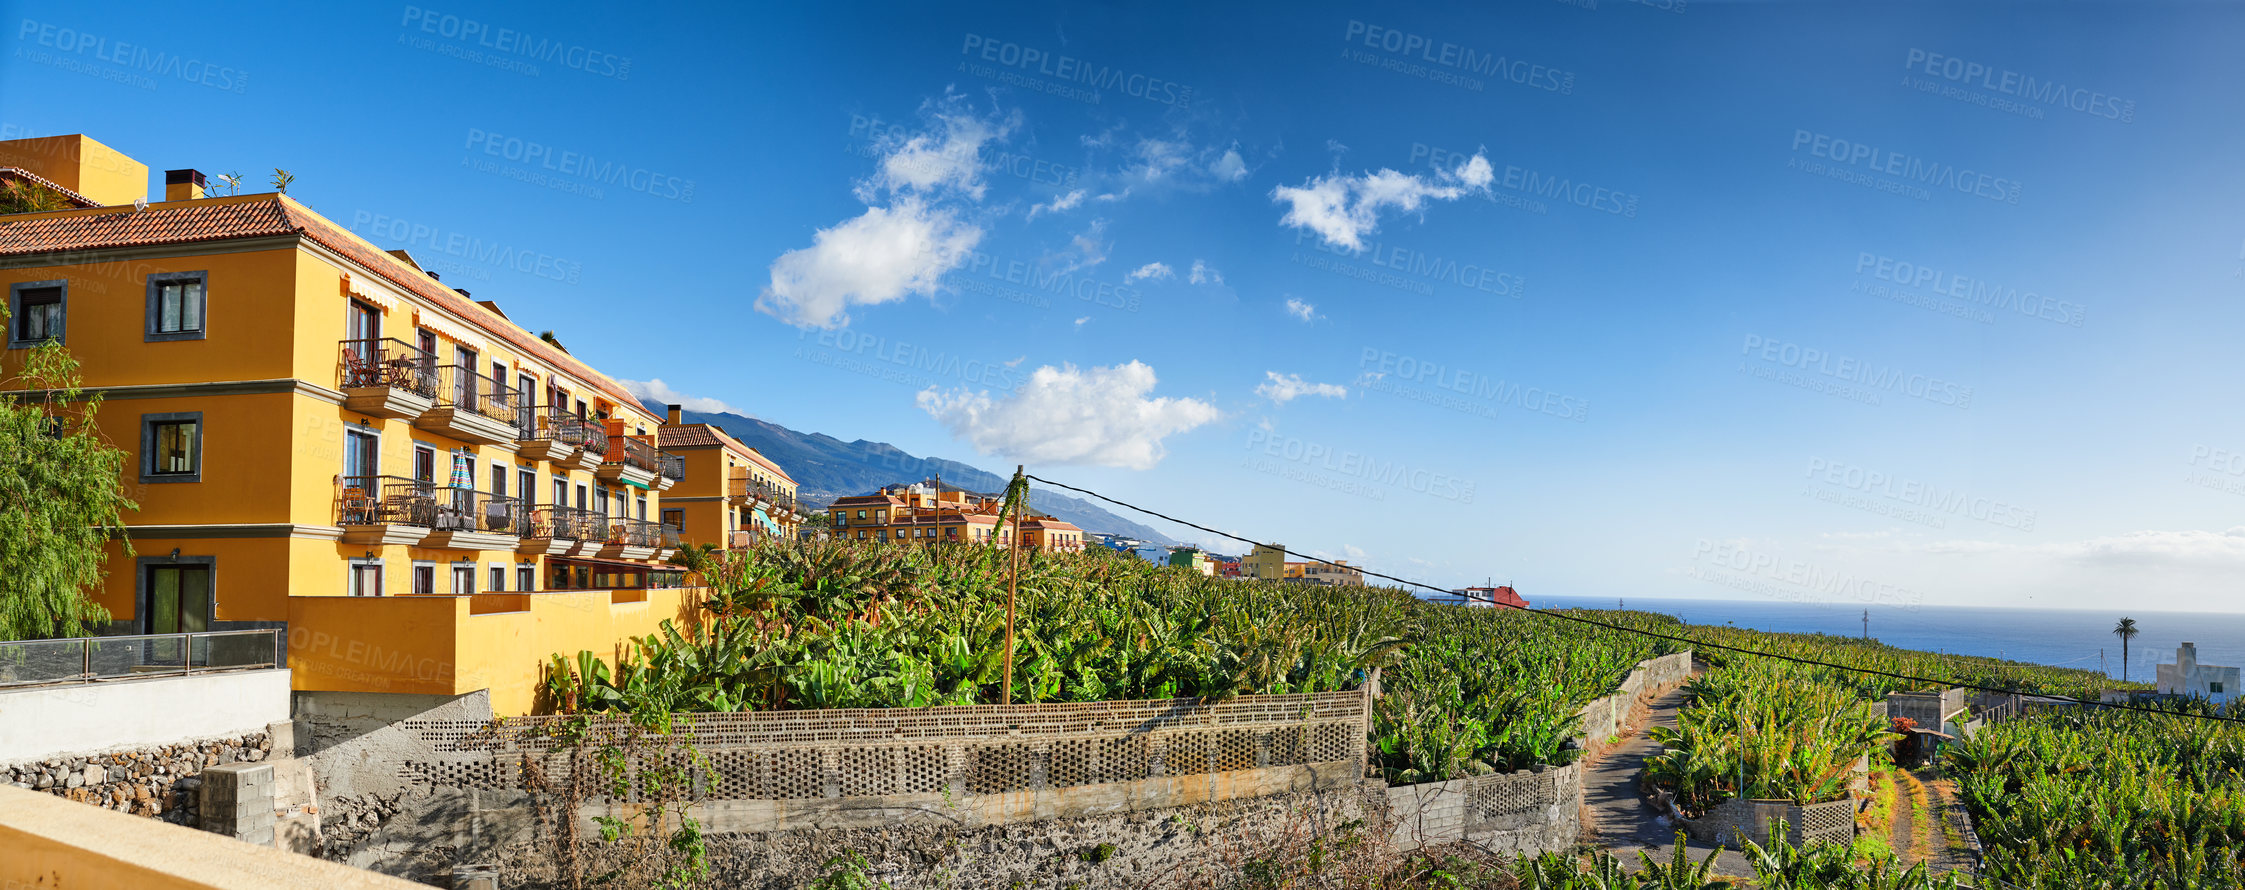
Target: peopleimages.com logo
{"x":1971,"y":290}
{"x":1847,"y":377}
{"x":1909,"y":171}
{"x":133,"y":61}
{"x":1071,"y":70}
{"x":578,"y":170}
{"x":1403,"y":52}
{"x":2024,"y":87}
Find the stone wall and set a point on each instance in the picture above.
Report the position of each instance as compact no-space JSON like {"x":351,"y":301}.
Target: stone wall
{"x":1528,"y":811}
{"x":1735,"y":821}
{"x":1605,"y":718}
{"x":158,"y":781}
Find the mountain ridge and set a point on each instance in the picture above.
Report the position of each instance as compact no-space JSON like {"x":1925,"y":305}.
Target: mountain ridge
{"x":825,"y":467}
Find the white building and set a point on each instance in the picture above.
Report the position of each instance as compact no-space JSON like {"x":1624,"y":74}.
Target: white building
{"x":2187,"y":677}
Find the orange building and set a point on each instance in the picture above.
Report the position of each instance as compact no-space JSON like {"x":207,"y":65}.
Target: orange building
{"x":319,"y":431}
{"x":732,"y":495}
{"x":921,"y":514}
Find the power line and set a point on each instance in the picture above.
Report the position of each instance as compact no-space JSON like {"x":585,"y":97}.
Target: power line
{"x":1640,"y":631}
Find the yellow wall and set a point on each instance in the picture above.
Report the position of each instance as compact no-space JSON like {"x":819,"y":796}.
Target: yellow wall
{"x":437,"y":645}
{"x":249,"y":307}
{"x":80,"y":164}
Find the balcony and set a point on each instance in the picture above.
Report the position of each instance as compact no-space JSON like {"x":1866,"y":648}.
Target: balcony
{"x":673,"y":469}
{"x":744,"y":490}
{"x":560,"y":437}
{"x":388,"y":378}
{"x":630,"y":538}
{"x":562,"y":531}
{"x":467,"y":519}
{"x":631,"y":461}
{"x":380,"y":510}
{"x":473,"y":408}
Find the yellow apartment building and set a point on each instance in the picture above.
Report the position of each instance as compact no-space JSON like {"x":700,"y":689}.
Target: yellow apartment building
{"x":732,"y":495}
{"x":922,"y":514}
{"x":325,"y":438}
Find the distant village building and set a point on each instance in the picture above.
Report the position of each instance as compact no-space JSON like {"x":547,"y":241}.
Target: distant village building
{"x":1487,"y":597}
{"x":1334,"y":574}
{"x":1266,"y":562}
{"x":925,"y":515}
{"x":2186,"y":676}
{"x":1192,"y":558}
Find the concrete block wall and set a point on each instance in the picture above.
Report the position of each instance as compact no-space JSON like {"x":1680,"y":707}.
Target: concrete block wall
{"x":238,"y":801}
{"x":1527,"y":811}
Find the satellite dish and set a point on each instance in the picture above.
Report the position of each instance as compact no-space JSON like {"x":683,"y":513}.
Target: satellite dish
{"x":140,"y":203}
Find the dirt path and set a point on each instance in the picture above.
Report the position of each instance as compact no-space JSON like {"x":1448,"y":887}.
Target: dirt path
{"x":1903,"y":837}
{"x":1947,"y":851}
{"x":1622,"y":822}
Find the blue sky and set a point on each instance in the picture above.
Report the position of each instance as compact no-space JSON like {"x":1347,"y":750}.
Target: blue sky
{"x":1903,"y":304}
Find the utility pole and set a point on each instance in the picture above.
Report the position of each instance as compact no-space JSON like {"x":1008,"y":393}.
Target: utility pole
{"x":1866,"y":624}
{"x":1012,"y":580}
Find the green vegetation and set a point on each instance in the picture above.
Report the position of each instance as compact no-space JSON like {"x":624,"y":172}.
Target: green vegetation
{"x":840,"y":624}
{"x":62,"y":498}
{"x":1484,"y":690}
{"x":2107,"y":799}
{"x":1768,"y":730}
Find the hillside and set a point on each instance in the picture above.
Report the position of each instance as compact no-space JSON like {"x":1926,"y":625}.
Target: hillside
{"x":826,"y":468}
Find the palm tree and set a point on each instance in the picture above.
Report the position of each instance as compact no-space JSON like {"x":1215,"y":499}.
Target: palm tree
{"x":2125,"y":630}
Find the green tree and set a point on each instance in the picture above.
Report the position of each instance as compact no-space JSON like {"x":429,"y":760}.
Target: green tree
{"x":2125,"y":630}
{"x":24,"y":197}
{"x":62,"y":498}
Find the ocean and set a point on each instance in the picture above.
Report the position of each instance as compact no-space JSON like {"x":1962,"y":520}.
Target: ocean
{"x":2066,"y":638}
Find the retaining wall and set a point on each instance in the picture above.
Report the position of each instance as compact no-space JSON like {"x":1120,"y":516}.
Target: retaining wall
{"x":141,"y":713}
{"x":1528,"y":811}
{"x":1734,"y":821}
{"x":158,"y":781}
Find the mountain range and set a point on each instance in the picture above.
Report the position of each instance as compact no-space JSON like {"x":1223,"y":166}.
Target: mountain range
{"x":826,"y":468}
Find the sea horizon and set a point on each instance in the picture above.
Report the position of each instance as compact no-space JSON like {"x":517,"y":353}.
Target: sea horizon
{"x":2075,"y":638}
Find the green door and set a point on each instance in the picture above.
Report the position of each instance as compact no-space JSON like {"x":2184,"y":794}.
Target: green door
{"x":179,"y":601}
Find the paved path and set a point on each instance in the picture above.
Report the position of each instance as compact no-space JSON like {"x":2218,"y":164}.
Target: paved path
{"x":1625,"y":824}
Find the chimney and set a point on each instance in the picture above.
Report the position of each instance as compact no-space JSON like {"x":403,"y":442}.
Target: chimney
{"x":674,"y":418}
{"x":183,"y":185}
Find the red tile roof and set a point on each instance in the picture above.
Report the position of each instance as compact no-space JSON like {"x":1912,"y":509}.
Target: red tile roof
{"x":258,"y":216}
{"x":49,"y":184}
{"x":704,"y":435}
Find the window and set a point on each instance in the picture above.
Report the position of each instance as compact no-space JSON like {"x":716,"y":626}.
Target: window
{"x":424,"y":577}
{"x":424,"y":463}
{"x":600,"y":501}
{"x":526,"y":485}
{"x":675,"y":519}
{"x":366,"y":577}
{"x":525,"y":578}
{"x":463,"y":579}
{"x":179,"y":595}
{"x":175,"y":305}
{"x":427,"y":340}
{"x":861,"y":514}
{"x":642,"y":508}
{"x":580,"y":497}
{"x":363,"y":322}
{"x":35,"y":311}
{"x":361,"y":456}
{"x":171,"y":447}
{"x":2214,"y":687}
{"x":498,"y":578}
{"x":560,"y":492}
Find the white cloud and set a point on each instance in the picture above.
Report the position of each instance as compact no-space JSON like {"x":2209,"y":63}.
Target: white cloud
{"x":1304,"y":311}
{"x":1067,"y":415}
{"x":1202,"y":273}
{"x":1065,"y":202}
{"x":949,"y":157}
{"x":890,"y":252}
{"x":883,"y":255}
{"x":657,"y":391}
{"x":1080,"y":322}
{"x":1283,"y":388}
{"x":1230,"y":167}
{"x":1152,"y":271}
{"x":1085,"y":249}
{"x":1343,"y":209}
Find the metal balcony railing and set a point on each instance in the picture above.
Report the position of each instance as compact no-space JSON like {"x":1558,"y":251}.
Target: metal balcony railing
{"x":389,"y":362}
{"x":84,"y":659}
{"x":636,"y":453}
{"x":667,"y":537}
{"x":568,"y":429}
{"x":674,"y":465}
{"x":631,"y":532}
{"x":460,"y":386}
{"x":568,"y":524}
{"x":394,"y":500}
